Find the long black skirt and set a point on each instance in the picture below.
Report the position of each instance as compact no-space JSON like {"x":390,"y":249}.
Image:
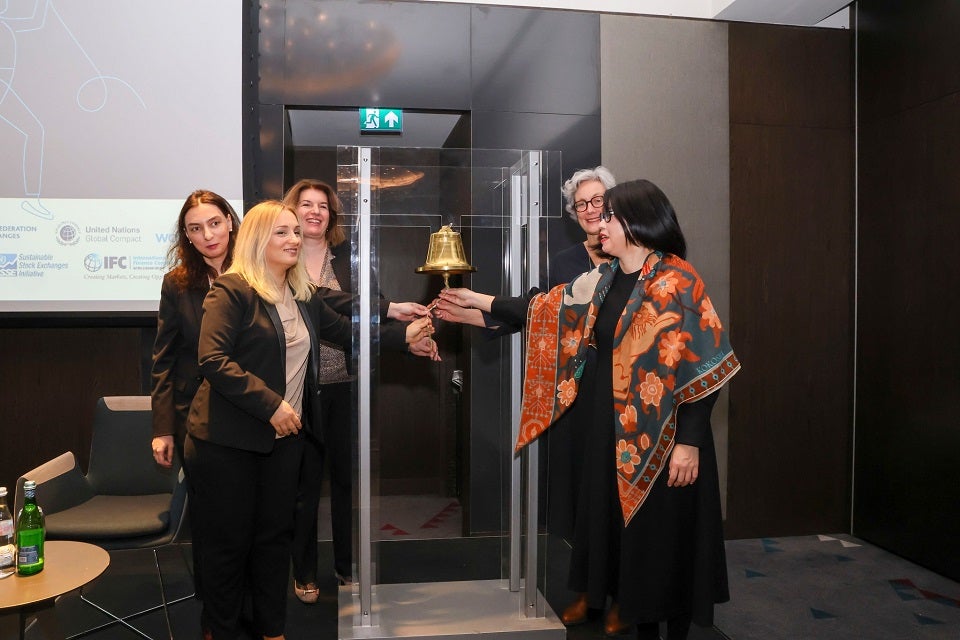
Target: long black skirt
{"x":670,"y":560}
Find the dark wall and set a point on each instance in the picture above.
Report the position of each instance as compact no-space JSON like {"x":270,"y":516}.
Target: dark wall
{"x":791,"y":275}
{"x":53,"y":379}
{"x":906,"y":479}
{"x":528,"y":77}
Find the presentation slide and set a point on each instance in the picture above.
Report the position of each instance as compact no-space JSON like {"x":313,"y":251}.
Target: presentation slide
{"x":111,"y":113}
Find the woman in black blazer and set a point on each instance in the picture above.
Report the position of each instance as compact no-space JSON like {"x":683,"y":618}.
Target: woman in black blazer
{"x":202,"y":249}
{"x":258,"y":355}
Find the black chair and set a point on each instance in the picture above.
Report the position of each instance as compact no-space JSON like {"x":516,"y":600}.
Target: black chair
{"x":125,"y":500}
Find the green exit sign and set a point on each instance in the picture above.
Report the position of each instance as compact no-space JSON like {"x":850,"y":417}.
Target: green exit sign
{"x":381,"y":120}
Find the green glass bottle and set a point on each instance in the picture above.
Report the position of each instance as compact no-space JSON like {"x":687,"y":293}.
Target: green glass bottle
{"x":8,"y":548}
{"x":30,"y":533}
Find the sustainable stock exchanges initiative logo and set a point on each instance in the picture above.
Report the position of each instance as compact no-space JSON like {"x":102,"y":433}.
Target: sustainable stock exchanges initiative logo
{"x":68,"y":233}
{"x":8,"y":265}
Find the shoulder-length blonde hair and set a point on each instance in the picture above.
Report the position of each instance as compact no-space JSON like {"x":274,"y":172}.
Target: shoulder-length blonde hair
{"x":248,"y":255}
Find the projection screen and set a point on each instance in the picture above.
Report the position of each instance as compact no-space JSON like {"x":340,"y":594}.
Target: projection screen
{"x":111,"y":113}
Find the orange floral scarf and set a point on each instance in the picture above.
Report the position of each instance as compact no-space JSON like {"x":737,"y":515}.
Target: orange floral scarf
{"x":669,"y":348}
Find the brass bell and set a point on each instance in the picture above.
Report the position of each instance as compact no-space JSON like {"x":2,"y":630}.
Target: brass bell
{"x":445,"y":255}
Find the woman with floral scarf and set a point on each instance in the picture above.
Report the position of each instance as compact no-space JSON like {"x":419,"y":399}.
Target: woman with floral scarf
{"x":638,"y":340}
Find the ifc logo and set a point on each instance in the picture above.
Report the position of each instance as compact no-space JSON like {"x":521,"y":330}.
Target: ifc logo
{"x":93,"y":262}
{"x":68,"y":233}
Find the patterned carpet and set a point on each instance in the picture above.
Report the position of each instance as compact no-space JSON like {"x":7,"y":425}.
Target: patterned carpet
{"x":808,"y":587}
{"x":833,"y":587}
{"x":829,"y":587}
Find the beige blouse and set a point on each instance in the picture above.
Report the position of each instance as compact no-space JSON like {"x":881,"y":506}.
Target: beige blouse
{"x":298,"y":349}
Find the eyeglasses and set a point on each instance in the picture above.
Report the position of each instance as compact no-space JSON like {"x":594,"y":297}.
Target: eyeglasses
{"x":606,"y":215}
{"x":581,"y":205}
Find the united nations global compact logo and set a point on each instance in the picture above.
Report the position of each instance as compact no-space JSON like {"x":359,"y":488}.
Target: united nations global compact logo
{"x":68,"y":233}
{"x":93,"y":262}
{"x":8,"y":265}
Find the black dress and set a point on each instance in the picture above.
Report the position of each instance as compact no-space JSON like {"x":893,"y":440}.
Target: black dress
{"x":670,"y":560}
{"x":560,"y":471}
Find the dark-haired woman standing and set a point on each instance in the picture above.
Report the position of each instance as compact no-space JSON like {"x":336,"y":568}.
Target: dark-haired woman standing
{"x":202,"y":249}
{"x":638,"y":340}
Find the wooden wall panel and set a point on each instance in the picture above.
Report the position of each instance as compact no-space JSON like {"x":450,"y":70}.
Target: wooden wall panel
{"x":791,"y":274}
{"x":52,"y":379}
{"x":906,"y":479}
{"x":790,"y":76}
{"x":908,"y":54}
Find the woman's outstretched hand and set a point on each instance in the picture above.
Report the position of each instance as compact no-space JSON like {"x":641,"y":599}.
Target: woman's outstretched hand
{"x":406,"y":311}
{"x":466,"y":298}
{"x":451,"y":312}
{"x":419,"y":329}
{"x":426,"y":348}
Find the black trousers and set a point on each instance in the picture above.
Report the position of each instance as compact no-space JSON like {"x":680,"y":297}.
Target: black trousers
{"x":243,"y":516}
{"x":179,"y":440}
{"x":336,"y":453}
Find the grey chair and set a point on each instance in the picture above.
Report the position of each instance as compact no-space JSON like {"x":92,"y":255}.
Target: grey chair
{"x":124,"y":501}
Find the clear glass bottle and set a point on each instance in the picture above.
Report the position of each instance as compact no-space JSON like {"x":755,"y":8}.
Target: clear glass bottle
{"x":30,"y":532}
{"x":8,"y":550}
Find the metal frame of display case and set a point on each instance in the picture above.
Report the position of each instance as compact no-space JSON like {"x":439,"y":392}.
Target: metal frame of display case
{"x":511,"y":608}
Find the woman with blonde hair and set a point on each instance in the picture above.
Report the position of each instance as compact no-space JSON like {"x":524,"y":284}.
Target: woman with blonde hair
{"x":258,"y":355}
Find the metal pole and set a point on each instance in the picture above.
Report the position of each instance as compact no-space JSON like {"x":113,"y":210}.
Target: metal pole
{"x":515,"y":265}
{"x":363,"y":382}
{"x":533,"y":606}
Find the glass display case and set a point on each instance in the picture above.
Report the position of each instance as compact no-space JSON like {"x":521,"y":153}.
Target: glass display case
{"x":445,"y":430}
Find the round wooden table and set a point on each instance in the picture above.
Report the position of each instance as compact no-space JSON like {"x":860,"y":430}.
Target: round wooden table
{"x":67,"y":566}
